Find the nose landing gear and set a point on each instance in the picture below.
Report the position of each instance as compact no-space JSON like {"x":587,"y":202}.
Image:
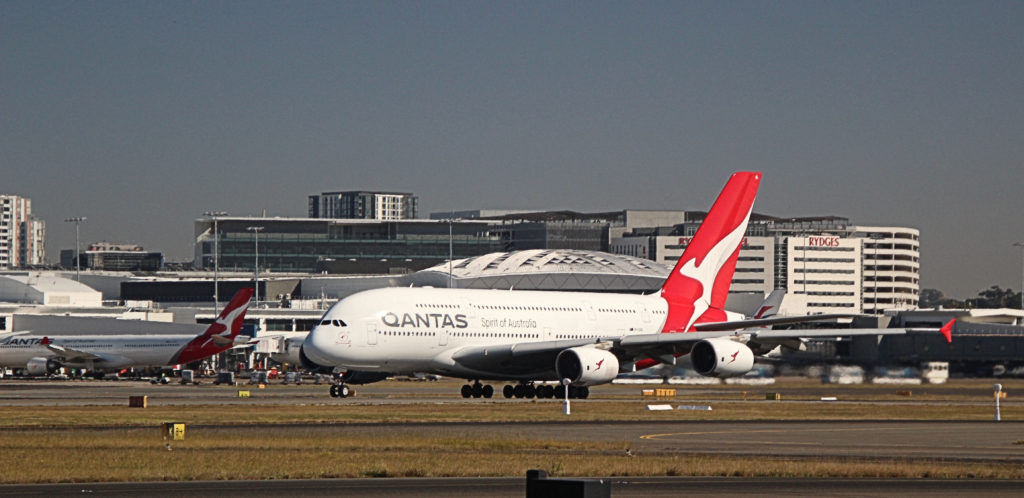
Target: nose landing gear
{"x":341,"y":391}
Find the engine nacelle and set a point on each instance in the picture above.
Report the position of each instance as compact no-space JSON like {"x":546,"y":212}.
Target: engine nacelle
{"x":721,"y":357}
{"x":586,"y":366}
{"x":41,"y":366}
{"x":352,"y":377}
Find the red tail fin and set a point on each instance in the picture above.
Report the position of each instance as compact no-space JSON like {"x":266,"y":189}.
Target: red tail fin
{"x":699,"y":284}
{"x":220,"y":335}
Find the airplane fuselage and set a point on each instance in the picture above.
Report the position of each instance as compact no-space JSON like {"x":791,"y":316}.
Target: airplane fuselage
{"x":119,"y":351}
{"x":406,"y":330}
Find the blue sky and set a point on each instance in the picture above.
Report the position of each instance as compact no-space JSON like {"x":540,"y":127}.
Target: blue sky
{"x":141,"y":115}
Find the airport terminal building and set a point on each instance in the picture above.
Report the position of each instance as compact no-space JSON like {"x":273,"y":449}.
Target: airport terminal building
{"x":351,"y":246}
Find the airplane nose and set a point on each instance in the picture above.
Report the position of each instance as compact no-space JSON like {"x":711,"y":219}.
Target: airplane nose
{"x":317,"y":346}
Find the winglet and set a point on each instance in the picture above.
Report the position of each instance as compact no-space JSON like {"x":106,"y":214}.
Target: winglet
{"x":947,"y":330}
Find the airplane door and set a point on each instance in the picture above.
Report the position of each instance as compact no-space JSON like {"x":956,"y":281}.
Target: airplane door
{"x":371,"y":333}
{"x":645,"y":313}
{"x":468,"y":309}
{"x":590,"y":311}
{"x":547,"y":334}
{"x":442,"y":337}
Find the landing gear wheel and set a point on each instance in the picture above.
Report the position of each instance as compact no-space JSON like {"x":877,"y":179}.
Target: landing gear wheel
{"x":477,"y":390}
{"x":545,"y":392}
{"x":530,"y":391}
{"x":578,"y":392}
{"x":340,"y":391}
{"x":519,"y":391}
{"x":467,"y":390}
{"x":488,"y":391}
{"x":508,"y":391}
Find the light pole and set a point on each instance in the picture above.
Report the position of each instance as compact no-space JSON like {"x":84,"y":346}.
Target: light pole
{"x":78,"y":263}
{"x":1021,"y":246}
{"x":216,"y":260}
{"x":256,"y":267}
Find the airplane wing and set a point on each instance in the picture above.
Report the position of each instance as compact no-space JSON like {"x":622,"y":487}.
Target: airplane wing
{"x":524,"y":358}
{"x":244,"y":341}
{"x":519,"y":358}
{"x":71,"y":354}
{"x":764,"y":322}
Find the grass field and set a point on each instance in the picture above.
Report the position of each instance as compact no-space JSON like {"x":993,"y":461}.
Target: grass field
{"x":141,"y":454}
{"x":115,"y":443}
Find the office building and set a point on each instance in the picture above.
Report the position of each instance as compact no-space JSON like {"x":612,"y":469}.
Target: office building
{"x":364,"y":205}
{"x":350,"y":246}
{"x":22,"y":237}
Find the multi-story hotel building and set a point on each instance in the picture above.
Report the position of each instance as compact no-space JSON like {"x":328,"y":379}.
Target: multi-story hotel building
{"x":22,"y":237}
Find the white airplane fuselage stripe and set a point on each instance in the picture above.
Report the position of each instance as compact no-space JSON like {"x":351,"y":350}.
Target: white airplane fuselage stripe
{"x":418,"y":330}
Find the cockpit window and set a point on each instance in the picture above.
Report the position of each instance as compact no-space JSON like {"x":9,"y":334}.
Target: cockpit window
{"x":339,"y":323}
{"x":325,"y":322}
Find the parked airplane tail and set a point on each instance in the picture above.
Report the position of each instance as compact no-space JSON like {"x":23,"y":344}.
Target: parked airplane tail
{"x":221,"y":334}
{"x":698,"y":286}
{"x":770,"y":306}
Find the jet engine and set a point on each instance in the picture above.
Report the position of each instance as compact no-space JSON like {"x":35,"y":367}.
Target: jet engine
{"x":721,"y":357}
{"x":41,"y":366}
{"x":586,"y":366}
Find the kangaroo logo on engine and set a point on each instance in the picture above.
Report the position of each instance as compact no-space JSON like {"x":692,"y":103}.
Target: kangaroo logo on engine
{"x":428,"y":320}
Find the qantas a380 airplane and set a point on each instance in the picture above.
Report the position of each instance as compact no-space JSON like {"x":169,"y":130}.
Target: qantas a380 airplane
{"x":41,"y":355}
{"x":579,"y":338}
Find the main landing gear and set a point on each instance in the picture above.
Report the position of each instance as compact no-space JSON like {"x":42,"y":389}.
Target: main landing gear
{"x":341,"y":391}
{"x":477,"y":390}
{"x":525,"y":390}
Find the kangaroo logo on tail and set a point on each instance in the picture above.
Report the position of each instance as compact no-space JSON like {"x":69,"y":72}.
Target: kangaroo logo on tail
{"x":697,"y":288}
{"x":220,"y":335}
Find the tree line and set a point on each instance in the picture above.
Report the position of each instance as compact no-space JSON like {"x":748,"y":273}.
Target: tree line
{"x":993,"y":297}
